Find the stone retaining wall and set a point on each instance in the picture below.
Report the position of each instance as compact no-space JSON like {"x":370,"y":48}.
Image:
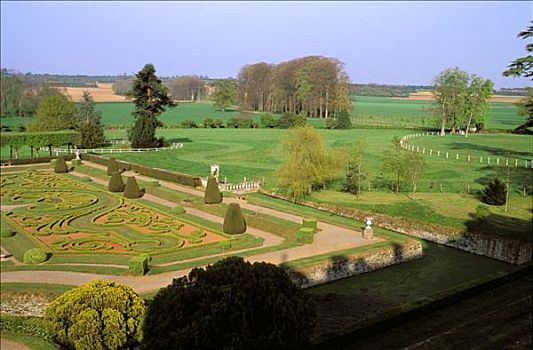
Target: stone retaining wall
{"x":508,"y":250}
{"x":351,"y":265}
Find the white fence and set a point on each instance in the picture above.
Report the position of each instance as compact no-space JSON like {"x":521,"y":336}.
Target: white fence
{"x":111,"y":150}
{"x":245,"y":186}
{"x":461,"y":156}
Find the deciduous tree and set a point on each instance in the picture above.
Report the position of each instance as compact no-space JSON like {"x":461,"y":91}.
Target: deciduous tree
{"x":478,"y":92}
{"x":450,"y":91}
{"x":225,"y":93}
{"x":54,"y":112}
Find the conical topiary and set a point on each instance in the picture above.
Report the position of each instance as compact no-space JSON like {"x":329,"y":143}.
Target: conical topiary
{"x":132,"y":190}
{"x":112,"y":166}
{"x":115,"y":183}
{"x":61,"y":165}
{"x":212,"y":194}
{"x":234,"y":222}
{"x":494,"y":193}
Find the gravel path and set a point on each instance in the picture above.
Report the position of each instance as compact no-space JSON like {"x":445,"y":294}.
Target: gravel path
{"x":6,"y":344}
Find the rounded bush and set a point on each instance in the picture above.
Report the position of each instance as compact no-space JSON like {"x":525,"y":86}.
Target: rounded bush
{"x":132,"y":190}
{"x":97,"y":315}
{"x":212,"y":194}
{"x":35,"y":256}
{"x":234,"y":222}
{"x":60,"y":165}
{"x":115,"y":183}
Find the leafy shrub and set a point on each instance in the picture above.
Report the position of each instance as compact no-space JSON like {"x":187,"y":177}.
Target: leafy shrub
{"x":189,"y":124}
{"x":212,"y":194}
{"x":219,"y":123}
{"x":494,"y":193}
{"x":234,"y":222}
{"x":97,"y":315}
{"x":138,"y":265}
{"x":269,"y":121}
{"x":291,"y":120}
{"x":331,"y":123}
{"x":60,"y":165}
{"x":224,"y":245}
{"x":305,"y":235}
{"x":232,"y":304}
{"x":232,"y":123}
{"x":208,"y":123}
{"x":310,"y":222}
{"x":35,"y":256}
{"x":116,"y":184}
{"x":132,"y":190}
{"x":344,"y":120}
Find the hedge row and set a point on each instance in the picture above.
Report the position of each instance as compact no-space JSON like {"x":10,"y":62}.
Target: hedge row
{"x":35,"y":160}
{"x":160,"y":174}
{"x":39,"y":139}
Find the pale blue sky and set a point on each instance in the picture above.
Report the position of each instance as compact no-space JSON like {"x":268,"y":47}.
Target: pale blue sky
{"x":385,"y":42}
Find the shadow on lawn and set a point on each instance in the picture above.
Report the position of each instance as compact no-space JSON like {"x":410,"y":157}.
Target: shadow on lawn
{"x":494,"y":151}
{"x":500,"y":226}
{"x":180,"y":140}
{"x":521,"y":178}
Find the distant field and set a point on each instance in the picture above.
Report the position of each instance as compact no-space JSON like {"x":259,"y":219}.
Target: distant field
{"x":414,"y":113}
{"x":428,"y":96}
{"x":102,"y":93}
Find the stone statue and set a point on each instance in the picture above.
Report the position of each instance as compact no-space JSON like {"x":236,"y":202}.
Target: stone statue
{"x":368,"y":232}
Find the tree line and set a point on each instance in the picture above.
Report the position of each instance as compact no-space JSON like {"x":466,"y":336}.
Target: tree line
{"x":315,"y":86}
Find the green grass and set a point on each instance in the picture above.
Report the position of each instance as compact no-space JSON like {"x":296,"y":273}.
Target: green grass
{"x":33,"y":342}
{"x":36,"y":288}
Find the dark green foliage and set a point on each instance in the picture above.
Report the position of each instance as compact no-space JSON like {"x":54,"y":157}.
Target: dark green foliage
{"x":209,"y":123}
{"x":230,"y":305}
{"x":97,"y":315}
{"x":35,"y":256}
{"x":138,"y":265}
{"x":344,"y":120}
{"x":151,"y":98}
{"x":189,"y":124}
{"x":331,"y":123}
{"x":39,"y":139}
{"x":305,"y":235}
{"x":494,"y":193}
{"x":212,"y":194}
{"x":354,"y":179}
{"x":482,"y":211}
{"x":291,"y":120}
{"x":523,"y":66}
{"x":234,"y":222}
{"x":219,"y":123}
{"x":132,"y":190}
{"x":232,"y":123}
{"x":60,"y":165}
{"x":112,"y":167}
{"x":36,"y":160}
{"x":160,"y":174}
{"x":115,"y":183}
{"x":225,"y":93}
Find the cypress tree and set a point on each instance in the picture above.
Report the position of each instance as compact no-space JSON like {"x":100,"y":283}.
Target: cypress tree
{"x":132,"y":190}
{"x":212,"y":194}
{"x":234,"y":222}
{"x":115,"y":183}
{"x":61,"y":165}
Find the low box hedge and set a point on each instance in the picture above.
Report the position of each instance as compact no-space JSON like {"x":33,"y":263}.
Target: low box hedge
{"x":305,"y":235}
{"x":156,"y":173}
{"x":138,"y":265}
{"x":310,"y":222}
{"x":34,"y":160}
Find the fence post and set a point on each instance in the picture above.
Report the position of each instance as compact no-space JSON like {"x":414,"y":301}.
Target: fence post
{"x":488,"y":160}
{"x":457,"y":156}
{"x":438,"y":153}
{"x":424,"y":150}
{"x":481,"y":159}
{"x":506,"y":161}
{"x":446,"y":155}
{"x":516,"y":163}
{"x":468,"y":159}
{"x":430,"y":152}
{"x":497,"y":161}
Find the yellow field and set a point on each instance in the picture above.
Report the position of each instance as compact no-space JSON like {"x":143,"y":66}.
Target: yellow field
{"x":428,"y":96}
{"x":102,"y":93}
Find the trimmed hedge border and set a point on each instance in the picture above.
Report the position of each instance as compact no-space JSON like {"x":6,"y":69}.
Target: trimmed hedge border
{"x":35,"y":160}
{"x":156,"y":173}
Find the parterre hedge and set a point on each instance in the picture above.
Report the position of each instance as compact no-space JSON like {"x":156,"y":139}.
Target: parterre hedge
{"x":138,"y":265}
{"x":156,"y":173}
{"x":305,"y":235}
{"x":35,"y":256}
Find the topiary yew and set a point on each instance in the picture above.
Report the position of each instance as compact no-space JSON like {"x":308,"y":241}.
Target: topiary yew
{"x":115,"y":183}
{"x":212,"y":194}
{"x":234,"y":222}
{"x":132,"y":190}
{"x":97,"y":315}
{"x":232,"y":304}
{"x":60,"y":165}
{"x":112,"y":167}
